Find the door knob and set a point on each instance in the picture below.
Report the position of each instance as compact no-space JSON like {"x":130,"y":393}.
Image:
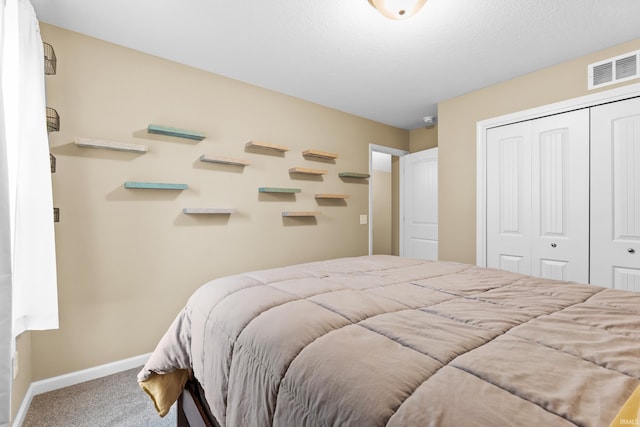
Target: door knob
{"x":631,"y":251}
{"x":553,"y":245}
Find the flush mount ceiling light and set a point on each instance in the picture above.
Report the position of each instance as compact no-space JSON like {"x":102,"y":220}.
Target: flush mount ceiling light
{"x":398,"y":9}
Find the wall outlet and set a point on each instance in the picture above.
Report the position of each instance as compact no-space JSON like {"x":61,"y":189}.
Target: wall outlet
{"x":363,"y":219}
{"x":15,"y":365}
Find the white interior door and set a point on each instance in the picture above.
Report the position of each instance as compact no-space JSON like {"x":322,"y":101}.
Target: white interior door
{"x":420,"y":204}
{"x":615,"y":199}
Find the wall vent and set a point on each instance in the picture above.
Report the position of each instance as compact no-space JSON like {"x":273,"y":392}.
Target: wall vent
{"x":614,"y":70}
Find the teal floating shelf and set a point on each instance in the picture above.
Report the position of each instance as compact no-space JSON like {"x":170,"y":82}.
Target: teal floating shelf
{"x":353,"y":175}
{"x":278,"y":190}
{"x":180,"y":133}
{"x":209,"y":158}
{"x":154,"y":186}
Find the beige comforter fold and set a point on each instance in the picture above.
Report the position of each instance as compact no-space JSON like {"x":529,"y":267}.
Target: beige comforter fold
{"x":382,"y":340}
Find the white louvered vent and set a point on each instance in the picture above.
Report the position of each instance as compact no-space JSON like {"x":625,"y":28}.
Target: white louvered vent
{"x":614,"y":70}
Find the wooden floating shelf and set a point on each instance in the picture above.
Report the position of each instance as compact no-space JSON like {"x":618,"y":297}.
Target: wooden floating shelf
{"x":278,"y":190}
{"x":208,"y":211}
{"x":259,"y":144}
{"x":180,"y":133}
{"x":308,"y":171}
{"x":353,"y":175}
{"x":304,"y":214}
{"x":209,"y":158}
{"x":332,"y":196}
{"x":154,"y":186}
{"x":319,"y":154}
{"x":110,"y":145}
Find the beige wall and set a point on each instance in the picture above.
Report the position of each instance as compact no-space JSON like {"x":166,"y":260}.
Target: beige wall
{"x":382,"y":206}
{"x":457,"y":120}
{"x":423,"y":138}
{"x":395,"y":202}
{"x":129,"y":259}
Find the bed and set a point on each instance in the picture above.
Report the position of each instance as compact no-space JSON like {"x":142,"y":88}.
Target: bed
{"x":390,"y":341}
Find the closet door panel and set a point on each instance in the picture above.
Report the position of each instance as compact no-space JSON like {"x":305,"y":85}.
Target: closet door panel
{"x":560,"y":194}
{"x":615,"y":199}
{"x":509,"y":198}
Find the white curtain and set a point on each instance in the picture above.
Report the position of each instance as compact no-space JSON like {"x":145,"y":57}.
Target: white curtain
{"x":28,"y":283}
{"x":6,"y":336}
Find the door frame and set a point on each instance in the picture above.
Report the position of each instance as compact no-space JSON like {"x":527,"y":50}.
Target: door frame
{"x":585,"y":101}
{"x":393,"y":152}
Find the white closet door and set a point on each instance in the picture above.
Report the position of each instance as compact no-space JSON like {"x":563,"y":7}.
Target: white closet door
{"x":560,"y":194}
{"x":615,"y":198}
{"x":509,"y":198}
{"x":538,"y":197}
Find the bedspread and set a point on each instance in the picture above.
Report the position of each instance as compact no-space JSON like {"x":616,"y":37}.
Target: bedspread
{"x":384,"y":340}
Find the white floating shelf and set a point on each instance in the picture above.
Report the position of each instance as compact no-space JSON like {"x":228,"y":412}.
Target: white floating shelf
{"x":208,"y":211}
{"x":110,"y":145}
{"x":210,"y":158}
{"x":303,"y":214}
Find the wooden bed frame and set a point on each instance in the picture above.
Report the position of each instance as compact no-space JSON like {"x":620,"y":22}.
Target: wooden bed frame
{"x":193,"y":410}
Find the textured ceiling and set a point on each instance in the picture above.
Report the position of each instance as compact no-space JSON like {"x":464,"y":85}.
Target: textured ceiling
{"x":345,"y":55}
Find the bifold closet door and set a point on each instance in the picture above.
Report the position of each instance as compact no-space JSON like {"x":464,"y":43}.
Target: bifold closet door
{"x":615,"y":195}
{"x":560,"y":194}
{"x":538,"y":197}
{"x":509,"y":197}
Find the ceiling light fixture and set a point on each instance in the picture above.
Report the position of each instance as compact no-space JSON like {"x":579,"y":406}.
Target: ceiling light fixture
{"x":398,"y":9}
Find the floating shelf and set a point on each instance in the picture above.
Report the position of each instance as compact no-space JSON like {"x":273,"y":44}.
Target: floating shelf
{"x":332,"y":196}
{"x":208,"y":211}
{"x":259,"y":144}
{"x":319,"y":154}
{"x":278,"y":190}
{"x":305,"y":214}
{"x":154,"y":186}
{"x":180,"y":133}
{"x":110,"y":145}
{"x":49,"y":59}
{"x":209,"y":158}
{"x":308,"y":171}
{"x":353,"y":175}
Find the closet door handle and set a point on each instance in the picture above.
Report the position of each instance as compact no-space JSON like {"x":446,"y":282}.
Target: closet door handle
{"x":553,"y":245}
{"x":631,"y":251}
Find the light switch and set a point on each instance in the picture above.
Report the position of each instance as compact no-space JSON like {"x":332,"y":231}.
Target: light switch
{"x":363,"y":219}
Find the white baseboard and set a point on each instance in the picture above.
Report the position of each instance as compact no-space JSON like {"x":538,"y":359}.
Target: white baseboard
{"x":72,"y":378}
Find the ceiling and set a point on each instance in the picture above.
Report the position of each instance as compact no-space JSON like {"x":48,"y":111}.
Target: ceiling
{"x":345,"y":55}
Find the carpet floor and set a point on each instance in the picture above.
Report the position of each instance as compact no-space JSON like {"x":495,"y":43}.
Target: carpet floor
{"x":115,"y":400}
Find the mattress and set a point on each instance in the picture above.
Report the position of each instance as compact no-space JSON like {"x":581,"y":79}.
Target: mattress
{"x":391,"y":341}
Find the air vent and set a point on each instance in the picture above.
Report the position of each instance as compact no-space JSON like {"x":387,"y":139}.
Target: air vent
{"x":614,"y":70}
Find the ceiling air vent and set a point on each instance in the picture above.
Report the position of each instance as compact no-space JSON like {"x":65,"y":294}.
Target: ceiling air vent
{"x":614,"y":70}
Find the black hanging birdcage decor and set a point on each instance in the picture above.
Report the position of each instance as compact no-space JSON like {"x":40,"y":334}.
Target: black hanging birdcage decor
{"x":52,"y":162}
{"x":53,"y":120}
{"x":49,"y":59}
